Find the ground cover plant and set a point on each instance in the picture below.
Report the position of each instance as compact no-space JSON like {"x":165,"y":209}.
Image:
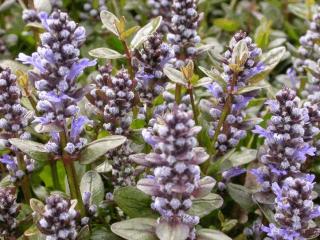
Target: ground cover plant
{"x":159,"y":119}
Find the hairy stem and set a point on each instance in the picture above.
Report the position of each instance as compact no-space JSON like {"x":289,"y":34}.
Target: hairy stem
{"x":54,"y":174}
{"x":194,"y":108}
{"x":71,"y":174}
{"x":25,"y":182}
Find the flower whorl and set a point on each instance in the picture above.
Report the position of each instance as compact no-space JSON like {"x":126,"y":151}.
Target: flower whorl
{"x":9,"y":210}
{"x":58,"y":65}
{"x":285,"y":148}
{"x":151,"y":61}
{"x":58,"y":220}
{"x":295,"y":210}
{"x":176,"y":175}
{"x":162,"y":8}
{"x":183,"y":34}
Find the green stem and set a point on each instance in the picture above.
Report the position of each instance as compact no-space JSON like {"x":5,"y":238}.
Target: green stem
{"x":54,"y":174}
{"x":116,"y":7}
{"x":194,"y":108}
{"x":224,"y":114}
{"x":25,"y":182}
{"x":178,"y":93}
{"x":73,"y":183}
{"x":71,"y":174}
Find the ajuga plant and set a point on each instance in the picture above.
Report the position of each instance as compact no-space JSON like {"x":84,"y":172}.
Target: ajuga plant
{"x":117,"y":131}
{"x":228,"y":123}
{"x":176,"y":174}
{"x":285,"y":149}
{"x":151,"y":59}
{"x":295,"y":210}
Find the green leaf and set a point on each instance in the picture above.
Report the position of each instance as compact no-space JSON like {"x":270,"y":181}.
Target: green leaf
{"x":215,"y":75}
{"x":138,"y":124}
{"x":100,"y":233}
{"x":5,"y":182}
{"x":106,"y":53}
{"x":241,"y":195}
{"x":6,"y":5}
{"x":244,"y":156}
{"x":240,"y":55}
{"x":203,"y":206}
{"x":145,"y":32}
{"x":210,"y":234}
{"x":42,"y":5}
{"x":108,"y":20}
{"x":167,"y":231}
{"x":226,"y":24}
{"x":270,"y":60}
{"x":104,"y":167}
{"x":175,"y":76}
{"x":91,"y":182}
{"x":13,"y":65}
{"x":298,"y":9}
{"x":37,"y":206}
{"x":133,"y":202}
{"x":262,"y":34}
{"x":98,"y":148}
{"x":135,"y":229}
{"x":35,"y":150}
{"x":251,"y":88}
{"x":202,"y":82}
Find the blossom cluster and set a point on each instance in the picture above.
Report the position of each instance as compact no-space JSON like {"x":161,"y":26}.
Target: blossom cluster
{"x":162,"y":8}
{"x":235,"y":126}
{"x":9,"y":210}
{"x":183,"y":34}
{"x":285,"y":148}
{"x":14,"y":117}
{"x":59,"y":219}
{"x":295,"y":209}
{"x":91,"y":11}
{"x":151,"y":60}
{"x":75,"y":141}
{"x":176,"y":174}
{"x":115,"y":97}
{"x":58,"y":64}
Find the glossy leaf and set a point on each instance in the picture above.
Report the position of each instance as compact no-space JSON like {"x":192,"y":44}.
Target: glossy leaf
{"x":145,"y":32}
{"x":35,"y":150}
{"x":91,"y":182}
{"x":167,"y":231}
{"x":203,"y":206}
{"x":136,"y":229}
{"x":134,"y":202}
{"x":98,"y":148}
{"x":108,"y":20}
{"x":210,"y":234}
{"x":106,"y":53}
{"x":175,"y":76}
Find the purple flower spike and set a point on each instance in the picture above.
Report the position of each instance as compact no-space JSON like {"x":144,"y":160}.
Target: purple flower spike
{"x":59,"y":64}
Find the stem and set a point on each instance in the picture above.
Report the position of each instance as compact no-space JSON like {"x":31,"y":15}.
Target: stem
{"x":116,"y":7}
{"x":194,"y":108}
{"x":178,"y":93}
{"x":225,"y":112}
{"x":54,"y":174}
{"x":129,"y":59}
{"x":25,"y":183}
{"x":73,"y":183}
{"x":71,"y":174}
